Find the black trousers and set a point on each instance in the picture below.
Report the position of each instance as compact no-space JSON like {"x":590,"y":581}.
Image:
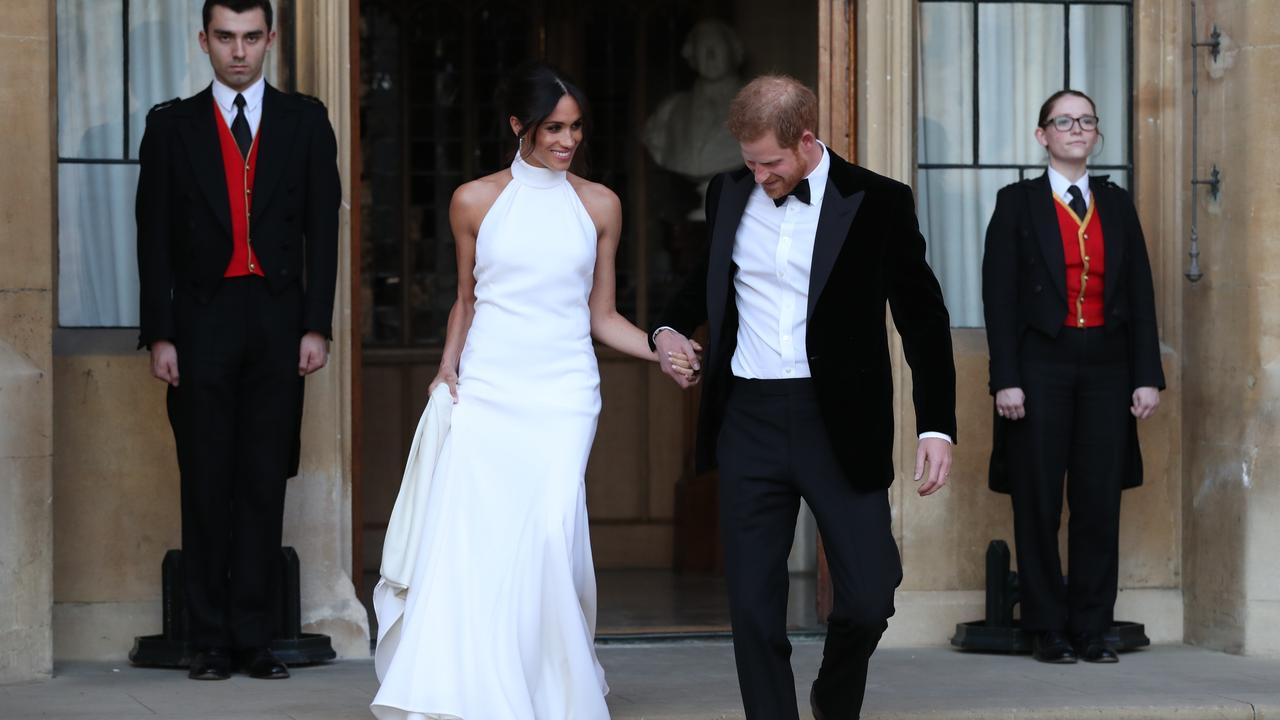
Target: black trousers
{"x":1076,"y":426}
{"x":773,"y":450}
{"x":235,"y":417}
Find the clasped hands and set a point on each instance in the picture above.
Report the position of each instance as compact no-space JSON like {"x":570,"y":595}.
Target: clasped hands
{"x":678,"y":357}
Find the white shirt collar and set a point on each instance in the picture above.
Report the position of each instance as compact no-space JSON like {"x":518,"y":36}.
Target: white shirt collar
{"x":818,"y":178}
{"x":1060,"y":185}
{"x":226,"y":97}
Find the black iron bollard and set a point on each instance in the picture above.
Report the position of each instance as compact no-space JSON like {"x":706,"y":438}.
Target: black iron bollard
{"x":999,"y":632}
{"x":1002,"y":586}
{"x":171,"y":649}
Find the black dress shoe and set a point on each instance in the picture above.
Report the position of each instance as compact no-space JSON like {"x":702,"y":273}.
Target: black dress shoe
{"x":813,"y":703}
{"x":211,"y":664}
{"x":263,"y":664}
{"x":1094,"y":649}
{"x":1052,"y":647}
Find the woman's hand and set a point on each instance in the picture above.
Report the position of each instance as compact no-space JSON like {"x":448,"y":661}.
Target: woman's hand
{"x":1010,"y":403}
{"x":449,"y":376}
{"x":1145,"y":402}
{"x":688,"y":367}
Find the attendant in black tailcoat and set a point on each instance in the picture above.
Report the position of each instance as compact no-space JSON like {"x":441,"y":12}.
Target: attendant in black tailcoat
{"x":805,"y":251}
{"x":1075,"y":362}
{"x":237,"y":213}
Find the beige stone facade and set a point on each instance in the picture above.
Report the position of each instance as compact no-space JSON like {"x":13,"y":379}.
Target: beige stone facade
{"x":26,"y":351}
{"x":1231,"y":342}
{"x":88,"y":480}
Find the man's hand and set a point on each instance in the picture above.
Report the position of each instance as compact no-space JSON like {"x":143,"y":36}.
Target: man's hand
{"x":313,"y":353}
{"x":1011,"y":404}
{"x":678,"y":357}
{"x":164,"y":362}
{"x":936,"y":453}
{"x":1145,"y":402}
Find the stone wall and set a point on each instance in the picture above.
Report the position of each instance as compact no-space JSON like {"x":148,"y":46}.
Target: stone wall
{"x":1231,"y":436}
{"x":26,"y":316}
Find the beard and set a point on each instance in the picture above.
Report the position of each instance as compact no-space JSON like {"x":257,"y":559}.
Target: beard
{"x":779,"y":186}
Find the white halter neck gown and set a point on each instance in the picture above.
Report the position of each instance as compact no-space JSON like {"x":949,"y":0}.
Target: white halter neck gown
{"x":499,"y":623}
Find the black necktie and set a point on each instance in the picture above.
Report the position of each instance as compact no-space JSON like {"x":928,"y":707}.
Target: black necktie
{"x":240,"y":128}
{"x":1078,"y":205}
{"x":801,"y":191}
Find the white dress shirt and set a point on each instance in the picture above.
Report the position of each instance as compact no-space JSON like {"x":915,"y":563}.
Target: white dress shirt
{"x":1061,"y":185}
{"x":773,"y":252}
{"x":225,"y":97}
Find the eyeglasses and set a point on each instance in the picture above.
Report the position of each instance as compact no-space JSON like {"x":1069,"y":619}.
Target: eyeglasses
{"x":1064,"y":123}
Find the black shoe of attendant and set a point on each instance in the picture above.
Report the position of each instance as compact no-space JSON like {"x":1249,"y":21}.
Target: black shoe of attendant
{"x":210,"y":664}
{"x":813,"y":703}
{"x":1052,"y":647}
{"x":1094,"y":649}
{"x":263,"y":664}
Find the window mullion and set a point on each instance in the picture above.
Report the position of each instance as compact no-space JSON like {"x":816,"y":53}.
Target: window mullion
{"x":124,"y":108}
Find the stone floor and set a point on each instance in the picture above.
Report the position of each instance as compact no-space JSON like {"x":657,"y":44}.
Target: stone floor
{"x":695,"y":681}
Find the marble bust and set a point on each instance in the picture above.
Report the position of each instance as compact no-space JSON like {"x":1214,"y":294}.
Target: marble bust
{"x":687,"y":133}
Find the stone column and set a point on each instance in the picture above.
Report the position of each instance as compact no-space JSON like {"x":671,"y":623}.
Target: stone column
{"x":318,"y":519}
{"x":26,"y":320}
{"x":1231,"y":329}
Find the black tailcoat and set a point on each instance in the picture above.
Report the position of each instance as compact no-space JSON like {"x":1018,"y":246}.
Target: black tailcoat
{"x":237,"y":410}
{"x":184,"y":214}
{"x":1024,"y":288}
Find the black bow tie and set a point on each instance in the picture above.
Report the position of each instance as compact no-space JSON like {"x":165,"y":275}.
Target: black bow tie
{"x":801,"y":191}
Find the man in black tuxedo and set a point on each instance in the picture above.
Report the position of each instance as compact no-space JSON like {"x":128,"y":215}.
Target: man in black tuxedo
{"x":805,"y":251}
{"x":237,"y":214}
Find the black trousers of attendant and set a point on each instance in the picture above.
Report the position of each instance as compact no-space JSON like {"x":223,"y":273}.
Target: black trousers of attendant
{"x":1078,"y":396}
{"x":774,"y":450}
{"x":235,"y":416}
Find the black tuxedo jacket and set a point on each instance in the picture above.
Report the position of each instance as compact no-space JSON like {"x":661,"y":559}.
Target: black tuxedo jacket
{"x":1024,"y":288}
{"x":184,"y":214}
{"x":868,"y":250}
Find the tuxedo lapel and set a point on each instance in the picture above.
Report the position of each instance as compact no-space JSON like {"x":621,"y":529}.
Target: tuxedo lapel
{"x":200,"y":138}
{"x":734,"y":193}
{"x":1044,"y":217}
{"x":840,"y":203}
{"x":1113,"y":239}
{"x":276,"y":135}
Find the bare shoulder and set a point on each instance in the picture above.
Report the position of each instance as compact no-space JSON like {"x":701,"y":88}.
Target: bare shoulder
{"x":602,"y":204}
{"x":472,"y":200}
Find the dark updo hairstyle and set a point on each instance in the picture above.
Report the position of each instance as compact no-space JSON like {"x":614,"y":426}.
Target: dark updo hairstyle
{"x":531,"y":93}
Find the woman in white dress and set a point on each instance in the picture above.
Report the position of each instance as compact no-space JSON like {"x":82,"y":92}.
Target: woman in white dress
{"x":499,"y":623}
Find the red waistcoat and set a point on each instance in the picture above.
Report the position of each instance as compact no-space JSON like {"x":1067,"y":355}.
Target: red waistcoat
{"x":239,"y":172}
{"x":1082,"y":249}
